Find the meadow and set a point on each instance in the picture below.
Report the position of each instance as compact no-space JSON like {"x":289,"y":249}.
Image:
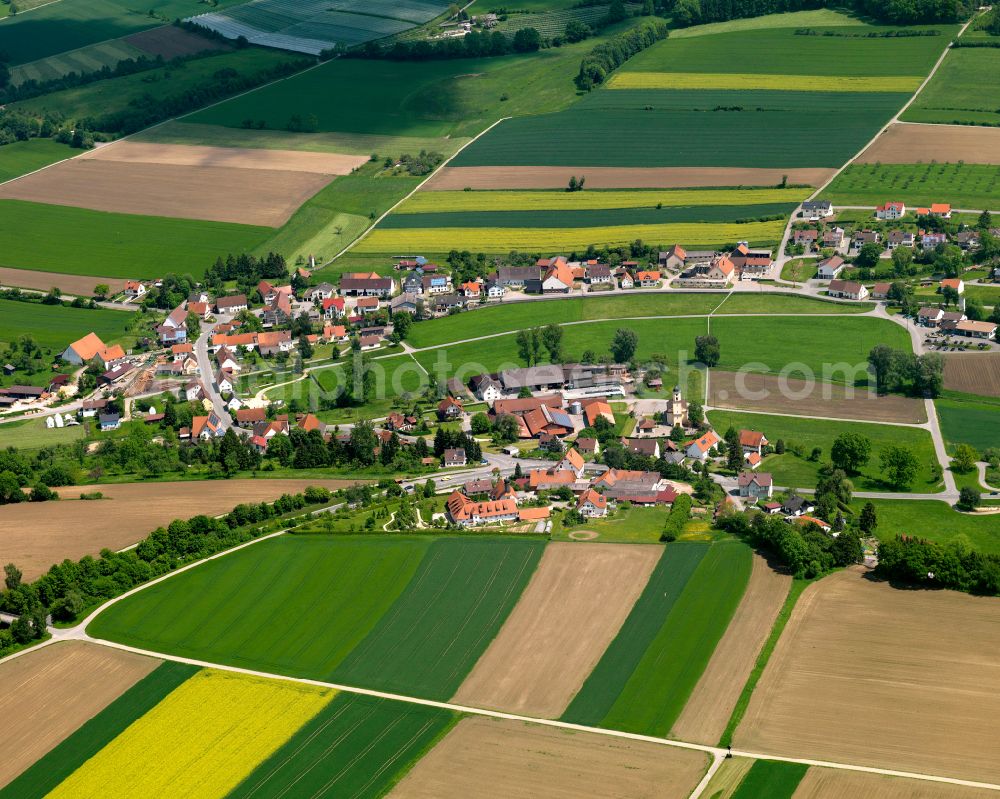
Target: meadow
{"x":795,"y":19}
{"x":963,"y":91}
{"x":485,"y":239}
{"x":22,"y":157}
{"x":356,"y":746}
{"x":90,"y":738}
{"x":86,"y":59}
{"x":771,"y":778}
{"x":610,"y":676}
{"x":405,"y":614}
{"x":56,"y":326}
{"x":203,"y":739}
{"x":115,"y":245}
{"x":935,"y":521}
{"x":962,"y":185}
{"x":32,"y":434}
{"x":965,"y":422}
{"x":742,"y":81}
{"x":72,"y":24}
{"x":792,"y":471}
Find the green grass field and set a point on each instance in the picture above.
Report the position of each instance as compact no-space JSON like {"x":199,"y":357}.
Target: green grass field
{"x":610,"y":676}
{"x":744,"y":81}
{"x":406,"y":614}
{"x":969,"y":422}
{"x":445,"y":618}
{"x":357,"y":746}
{"x":659,"y":687}
{"x":57,"y":326}
{"x":87,"y":59}
{"x":797,"y":19}
{"x":355,"y":581}
{"x":23,"y":157}
{"x":935,"y":521}
{"x":794,"y":472}
{"x":118,"y":94}
{"x":771,"y":778}
{"x":962,"y":185}
{"x":800,"y":270}
{"x":635,"y":525}
{"x":963,"y":90}
{"x":68,"y":755}
{"x":115,"y":245}
{"x":32,"y":434}
{"x":780,"y":51}
{"x":71,"y":24}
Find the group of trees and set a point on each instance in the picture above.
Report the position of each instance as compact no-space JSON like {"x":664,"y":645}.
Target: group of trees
{"x":916,"y":561}
{"x":456,"y":439}
{"x":246,"y":270}
{"x":852,"y":451}
{"x":900,"y":12}
{"x":901,"y":370}
{"x":608,"y":56}
{"x":533,"y":344}
{"x":69,"y":588}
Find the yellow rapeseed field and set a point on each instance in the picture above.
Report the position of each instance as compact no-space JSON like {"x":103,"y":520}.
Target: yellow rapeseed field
{"x":450,"y":201}
{"x":200,"y":741}
{"x":737,"y":80}
{"x":501,"y":240}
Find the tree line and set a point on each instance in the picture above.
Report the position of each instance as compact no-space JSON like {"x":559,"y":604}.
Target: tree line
{"x":608,"y":56}
{"x":928,"y":564}
{"x":900,"y":12}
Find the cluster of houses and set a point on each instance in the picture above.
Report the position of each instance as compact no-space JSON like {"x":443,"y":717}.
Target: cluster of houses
{"x":709,"y":269}
{"x":956,"y":323}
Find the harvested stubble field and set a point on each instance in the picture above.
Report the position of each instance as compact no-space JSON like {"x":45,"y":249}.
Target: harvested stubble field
{"x":171,"y":41}
{"x":708,"y":710}
{"x":36,"y":535}
{"x":828,"y":783}
{"x":871,"y":675}
{"x":487,"y":758}
{"x":906,"y":143}
{"x":794,"y":396}
{"x":202,"y":740}
{"x":217,"y":194}
{"x":75,"y":285}
{"x":571,"y":610}
{"x":973,"y":373}
{"x":50,"y":692}
{"x":458,"y":178}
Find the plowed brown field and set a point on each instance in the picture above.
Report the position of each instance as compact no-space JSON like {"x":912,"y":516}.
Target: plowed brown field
{"x":577,"y":600}
{"x":36,"y":535}
{"x":711,"y":704}
{"x":218,"y":194}
{"x":78,"y":285}
{"x":46,"y":694}
{"x":490,"y":758}
{"x":905,"y":143}
{"x":170,"y":41}
{"x":975,"y":373}
{"x":870,"y":675}
{"x":555,"y":177}
{"x":796,"y":397}
{"x":828,"y":783}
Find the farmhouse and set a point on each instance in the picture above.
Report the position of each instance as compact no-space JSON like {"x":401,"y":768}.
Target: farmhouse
{"x":454,"y":457}
{"x":880,"y":291}
{"x":274,"y":342}
{"x":572,"y":461}
{"x":752,"y":441}
{"x":84,"y":350}
{"x":930,"y":317}
{"x":814,"y":210}
{"x":830,"y":268}
{"x":847,"y":289}
{"x":557,"y":278}
{"x":750,"y":263}
{"x":648,"y":447}
{"x":522,"y":405}
{"x":598,"y":410}
{"x":700,"y":448}
{"x":673,"y":259}
{"x":517,"y":277}
{"x":548,"y":479}
{"x":598,"y":274}
{"x":535,"y":378}
{"x":955,"y":283}
{"x":466,"y":513}
{"x":365,"y":284}
{"x":449,"y":408}
{"x":796,"y":505}
{"x":435,"y":284}
{"x":487,"y":388}
{"x":332,"y":307}
{"x":319,"y":293}
{"x":206,"y":427}
{"x":232,"y":304}
{"x":806,"y":237}
{"x":592,"y":504}
{"x":134,"y":289}
{"x":647,"y":280}
{"x":588,"y":446}
{"x":23,"y":393}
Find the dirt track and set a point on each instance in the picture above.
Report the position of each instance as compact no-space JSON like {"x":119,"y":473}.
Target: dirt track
{"x":79,"y":285}
{"x":745,"y":391}
{"x":908,"y":144}
{"x":46,"y":695}
{"x":826,"y":783}
{"x":556,"y":177}
{"x":218,"y":194}
{"x":134,"y":152}
{"x":36,"y":535}
{"x":490,"y":758}
{"x":708,"y":710}
{"x":974,"y":372}
{"x":870,"y":675}
{"x":577,"y":600}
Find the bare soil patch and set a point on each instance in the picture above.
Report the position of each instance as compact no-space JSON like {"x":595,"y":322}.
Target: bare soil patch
{"x":975,"y":373}
{"x":456,"y":178}
{"x":494,"y":758}
{"x":828,"y":783}
{"x":870,"y":675}
{"x":47,"y":694}
{"x":797,"y":397}
{"x":711,"y":704}
{"x":78,"y":285}
{"x":135,"y":152}
{"x":218,"y":194}
{"x":36,"y":535}
{"x":173,"y":42}
{"x":905,"y":143}
{"x":576,"y":602}
{"x":583,"y":535}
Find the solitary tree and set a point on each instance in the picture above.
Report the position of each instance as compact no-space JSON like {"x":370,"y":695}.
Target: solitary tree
{"x":707,"y":350}
{"x":899,"y":466}
{"x":850,"y":451}
{"x":101,"y":290}
{"x":968,"y":498}
{"x":868,"y":520}
{"x":964,"y":460}
{"x":624,"y":345}
{"x":12,"y":576}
